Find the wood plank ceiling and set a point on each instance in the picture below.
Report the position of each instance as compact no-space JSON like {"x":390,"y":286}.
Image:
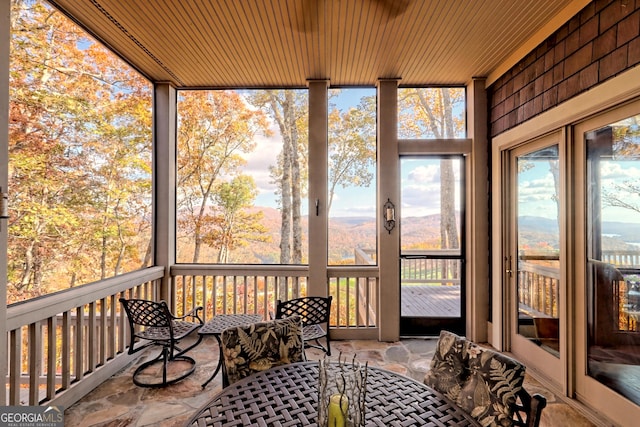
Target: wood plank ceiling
{"x":270,"y":43}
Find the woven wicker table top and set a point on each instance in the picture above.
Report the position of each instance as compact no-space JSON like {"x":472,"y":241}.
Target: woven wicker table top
{"x":287,"y":396}
{"x":220,"y":322}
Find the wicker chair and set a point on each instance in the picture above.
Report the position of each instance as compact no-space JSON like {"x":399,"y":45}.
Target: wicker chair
{"x":151,"y":323}
{"x":314,"y":312}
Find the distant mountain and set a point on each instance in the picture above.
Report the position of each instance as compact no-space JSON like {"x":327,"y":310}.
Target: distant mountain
{"x":629,"y":232}
{"x":616,"y":235}
{"x":345,"y":234}
{"x":348,"y":233}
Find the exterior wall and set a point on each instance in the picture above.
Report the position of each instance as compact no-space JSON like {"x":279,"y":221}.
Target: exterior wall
{"x":597,"y":44}
{"x":589,"y":65}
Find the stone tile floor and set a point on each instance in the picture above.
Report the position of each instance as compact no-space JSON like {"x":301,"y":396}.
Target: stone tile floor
{"x":118,"y":402}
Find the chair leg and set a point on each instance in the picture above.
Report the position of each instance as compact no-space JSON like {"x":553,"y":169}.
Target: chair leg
{"x":181,"y":352}
{"x":319,"y":346}
{"x":165,"y":358}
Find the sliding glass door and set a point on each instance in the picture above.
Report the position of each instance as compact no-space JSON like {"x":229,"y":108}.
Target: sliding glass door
{"x":534,"y":260}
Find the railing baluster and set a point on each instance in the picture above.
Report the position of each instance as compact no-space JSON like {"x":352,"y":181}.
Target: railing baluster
{"x":66,"y":350}
{"x":50,"y":352}
{"x":78,"y":347}
{"x":91,"y":339}
{"x":35,"y":354}
{"x":15,"y":368}
{"x":110,"y":329}
{"x":52,"y":327}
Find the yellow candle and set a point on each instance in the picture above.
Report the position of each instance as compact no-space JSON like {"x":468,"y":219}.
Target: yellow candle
{"x":338,"y":408}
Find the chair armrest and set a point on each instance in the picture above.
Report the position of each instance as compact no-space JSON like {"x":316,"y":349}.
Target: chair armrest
{"x":194,"y":313}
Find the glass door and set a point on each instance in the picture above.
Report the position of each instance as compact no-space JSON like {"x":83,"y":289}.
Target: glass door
{"x":534,"y":262}
{"x":613,"y":256}
{"x":431,"y":245}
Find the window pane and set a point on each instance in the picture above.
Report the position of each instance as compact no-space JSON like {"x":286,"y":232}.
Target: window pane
{"x":352,"y":184}
{"x":538,"y":206}
{"x":242,"y":177}
{"x":431,"y":237}
{"x":79,"y":158}
{"x":613,"y":166}
{"x":432,"y":113}
{"x":431,"y":205}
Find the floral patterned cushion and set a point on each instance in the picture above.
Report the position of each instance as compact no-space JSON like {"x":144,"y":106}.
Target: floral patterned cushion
{"x":448,"y":371}
{"x":260,"y":346}
{"x":489,"y":394}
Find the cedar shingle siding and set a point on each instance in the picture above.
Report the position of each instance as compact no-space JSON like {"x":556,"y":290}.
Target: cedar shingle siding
{"x":599,"y":42}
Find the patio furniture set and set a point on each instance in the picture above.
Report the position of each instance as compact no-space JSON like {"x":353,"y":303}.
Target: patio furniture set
{"x":267,"y":380}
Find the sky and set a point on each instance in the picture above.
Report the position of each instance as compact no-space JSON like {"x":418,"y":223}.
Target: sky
{"x":536,"y":188}
{"x":349,"y":202}
{"x":420,"y":178}
{"x":420,"y":182}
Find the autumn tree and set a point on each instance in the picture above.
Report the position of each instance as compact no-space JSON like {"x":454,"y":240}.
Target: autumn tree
{"x":625,"y":140}
{"x":79,"y":157}
{"x":235,"y":224}
{"x":215,"y":130}
{"x":432,"y":112}
{"x":289,"y":110}
{"x":352,"y":146}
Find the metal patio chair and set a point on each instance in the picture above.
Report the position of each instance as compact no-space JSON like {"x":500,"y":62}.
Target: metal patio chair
{"x":314,"y":312}
{"x":151,"y":323}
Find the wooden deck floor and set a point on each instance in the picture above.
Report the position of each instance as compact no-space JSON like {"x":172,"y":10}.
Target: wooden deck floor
{"x":430,"y":301}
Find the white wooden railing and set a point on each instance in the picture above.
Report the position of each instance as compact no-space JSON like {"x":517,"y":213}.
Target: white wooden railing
{"x":256,"y":288}
{"x":539,"y":278}
{"x":538,"y":287}
{"x":63,"y":345}
{"x":622,"y":258}
{"x":228,"y":289}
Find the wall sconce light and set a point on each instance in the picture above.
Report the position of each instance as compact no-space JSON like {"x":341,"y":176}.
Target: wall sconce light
{"x":389,"y":211}
{"x":4,"y":204}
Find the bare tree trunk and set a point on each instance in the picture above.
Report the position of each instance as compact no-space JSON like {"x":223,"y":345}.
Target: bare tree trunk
{"x":448,"y":228}
{"x":103,"y":257}
{"x":148,"y":253}
{"x":197,"y":232}
{"x":285,"y":186}
{"x":28,"y":267}
{"x":296,"y":196}
{"x":197,"y":244}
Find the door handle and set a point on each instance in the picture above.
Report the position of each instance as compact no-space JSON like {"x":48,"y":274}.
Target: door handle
{"x":508,"y":270}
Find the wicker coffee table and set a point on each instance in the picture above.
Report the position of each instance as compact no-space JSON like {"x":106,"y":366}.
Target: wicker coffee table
{"x":287,"y":396}
{"x":218,"y":324}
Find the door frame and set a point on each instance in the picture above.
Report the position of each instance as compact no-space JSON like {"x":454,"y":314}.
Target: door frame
{"x":431,"y":326}
{"x":587,"y":389}
{"x":551,"y":367}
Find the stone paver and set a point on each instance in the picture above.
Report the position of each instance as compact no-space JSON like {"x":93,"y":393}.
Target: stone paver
{"x":118,"y":402}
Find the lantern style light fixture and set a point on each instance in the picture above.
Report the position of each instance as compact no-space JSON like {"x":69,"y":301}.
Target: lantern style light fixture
{"x":4,"y":204}
{"x":389,"y":214}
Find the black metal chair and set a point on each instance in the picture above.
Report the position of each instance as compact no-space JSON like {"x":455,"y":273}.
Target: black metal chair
{"x":314,"y":312}
{"x":151,"y":323}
